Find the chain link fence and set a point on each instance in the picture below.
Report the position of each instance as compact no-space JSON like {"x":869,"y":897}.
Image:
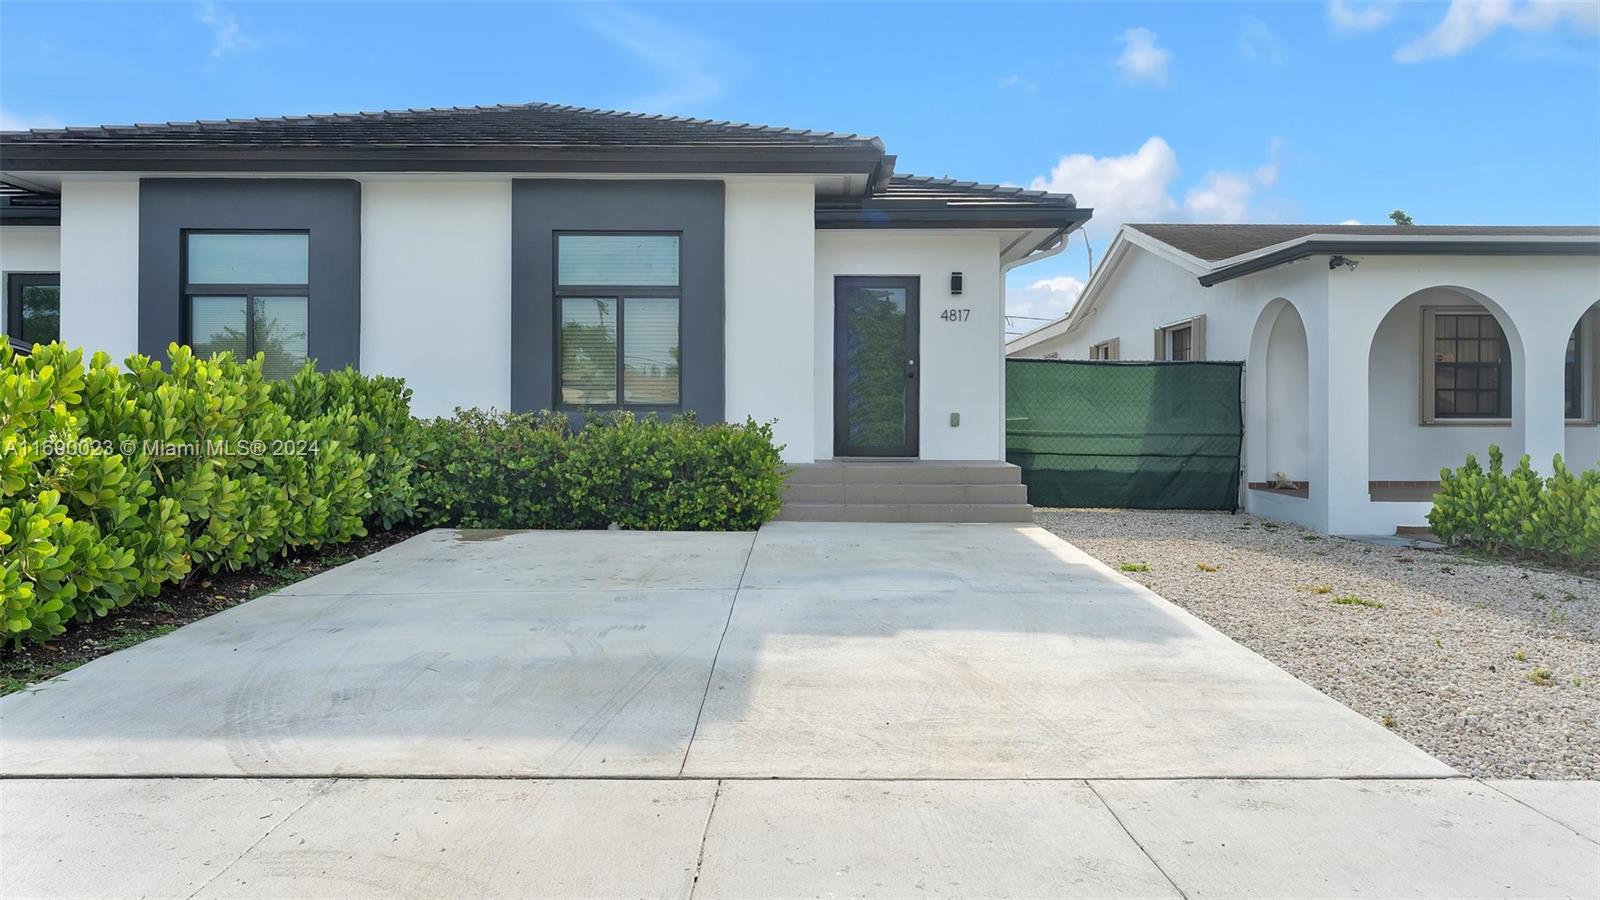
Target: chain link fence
{"x":1142,"y":435}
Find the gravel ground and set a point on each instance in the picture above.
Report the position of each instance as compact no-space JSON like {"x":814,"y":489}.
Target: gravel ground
{"x":1454,"y":660}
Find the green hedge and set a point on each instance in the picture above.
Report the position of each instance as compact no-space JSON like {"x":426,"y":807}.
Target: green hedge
{"x":505,"y":470}
{"x":1519,"y":512}
{"x":115,"y":482}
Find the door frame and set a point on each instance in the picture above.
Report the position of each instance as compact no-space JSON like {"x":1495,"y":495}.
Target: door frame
{"x":913,"y":349}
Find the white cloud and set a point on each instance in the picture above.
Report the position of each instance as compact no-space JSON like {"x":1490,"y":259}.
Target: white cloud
{"x":1349,"y":17}
{"x":1351,"y":222}
{"x":1221,"y":197}
{"x":1120,"y":189}
{"x":1468,"y":23}
{"x":1139,"y":187}
{"x":685,"y":63}
{"x":1019,"y":82}
{"x":1143,"y":59}
{"x":1257,"y":42}
{"x":227,"y":35}
{"x":10,"y":121}
{"x":1046,"y":298}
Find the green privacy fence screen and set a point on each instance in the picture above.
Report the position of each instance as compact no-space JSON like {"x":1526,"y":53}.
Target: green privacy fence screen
{"x":1159,"y":435}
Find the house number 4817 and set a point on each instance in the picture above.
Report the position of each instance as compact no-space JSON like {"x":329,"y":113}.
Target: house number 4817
{"x":956,"y":315}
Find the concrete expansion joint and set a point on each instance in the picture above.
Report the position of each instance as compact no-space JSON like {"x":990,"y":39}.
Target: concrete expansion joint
{"x":1136,"y":842}
{"x":705,"y":834}
{"x":264,"y":835}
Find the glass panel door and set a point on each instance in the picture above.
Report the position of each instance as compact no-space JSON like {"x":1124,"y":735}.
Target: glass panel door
{"x":875,"y":366}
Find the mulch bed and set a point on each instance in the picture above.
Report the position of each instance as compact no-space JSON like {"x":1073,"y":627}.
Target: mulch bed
{"x":178,"y":605}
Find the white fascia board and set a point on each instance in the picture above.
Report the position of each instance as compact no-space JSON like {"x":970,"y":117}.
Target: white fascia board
{"x":1193,"y":264}
{"x":1103,"y":273}
{"x":1420,"y":241}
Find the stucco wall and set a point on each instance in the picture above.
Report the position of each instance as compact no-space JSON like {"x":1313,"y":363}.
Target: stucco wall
{"x":436,"y":290}
{"x":961,"y":363}
{"x":769,"y":319}
{"x":1288,"y":426}
{"x":100,"y":266}
{"x":1402,"y":448}
{"x":30,"y":249}
{"x":1143,"y":293}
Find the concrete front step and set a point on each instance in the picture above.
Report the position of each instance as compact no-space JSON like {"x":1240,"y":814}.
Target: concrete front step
{"x":906,"y":493}
{"x":914,"y":471}
{"x":906,"y":512}
{"x":906,"y":490}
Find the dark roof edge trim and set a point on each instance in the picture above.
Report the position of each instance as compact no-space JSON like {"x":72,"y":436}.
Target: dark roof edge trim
{"x":32,"y":218}
{"x":969,"y":217}
{"x":697,"y":160}
{"x":1481,"y":247}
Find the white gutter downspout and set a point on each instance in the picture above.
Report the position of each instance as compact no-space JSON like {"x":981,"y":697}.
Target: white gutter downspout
{"x":1005,"y":269}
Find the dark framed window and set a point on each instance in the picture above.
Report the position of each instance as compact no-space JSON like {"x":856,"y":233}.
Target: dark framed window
{"x":618,"y":328}
{"x":1573,"y":396}
{"x":33,"y":307}
{"x":1182,"y":343}
{"x":1471,"y":367}
{"x":248,"y":292}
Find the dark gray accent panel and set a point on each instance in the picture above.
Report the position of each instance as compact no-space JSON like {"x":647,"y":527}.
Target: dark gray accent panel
{"x":542,"y":207}
{"x":330,"y":209}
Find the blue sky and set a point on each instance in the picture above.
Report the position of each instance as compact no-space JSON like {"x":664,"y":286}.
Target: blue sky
{"x":1484,"y":112}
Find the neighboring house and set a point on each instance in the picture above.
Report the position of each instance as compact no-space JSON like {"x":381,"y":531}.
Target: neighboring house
{"x":1374,"y":355}
{"x":540,"y":256}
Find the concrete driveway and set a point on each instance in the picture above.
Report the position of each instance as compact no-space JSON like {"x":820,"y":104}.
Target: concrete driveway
{"x":815,"y":709}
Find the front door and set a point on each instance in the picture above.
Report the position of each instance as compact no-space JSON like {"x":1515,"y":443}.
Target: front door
{"x":875,"y":366}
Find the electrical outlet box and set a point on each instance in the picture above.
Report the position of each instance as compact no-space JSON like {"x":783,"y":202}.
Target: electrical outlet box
{"x":955,"y":420}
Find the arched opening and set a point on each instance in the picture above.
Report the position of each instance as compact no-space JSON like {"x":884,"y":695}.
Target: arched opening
{"x":1278,"y":400}
{"x":1442,"y":383}
{"x":1581,"y":384}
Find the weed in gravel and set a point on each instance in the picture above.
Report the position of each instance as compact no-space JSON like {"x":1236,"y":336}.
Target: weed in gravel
{"x":1541,"y":676}
{"x":1389,"y":721}
{"x":1520,"y":655}
{"x":1568,"y":597}
{"x":1309,"y":537}
{"x":1576,"y":681}
{"x":1557,"y":617}
{"x":1540,"y":595}
{"x":1447,"y":570}
{"x":1270,"y":526}
{"x":1133,"y":567}
{"x":1320,"y":588}
{"x":1438,"y":644}
{"x":1353,"y":600}
{"x":1205,"y":567}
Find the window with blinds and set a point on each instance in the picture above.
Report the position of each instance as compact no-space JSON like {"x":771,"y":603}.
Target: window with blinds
{"x":617,"y":299}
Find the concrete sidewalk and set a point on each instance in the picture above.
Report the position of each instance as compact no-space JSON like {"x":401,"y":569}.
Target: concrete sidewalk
{"x":814,"y":710}
{"x":354,"y":838}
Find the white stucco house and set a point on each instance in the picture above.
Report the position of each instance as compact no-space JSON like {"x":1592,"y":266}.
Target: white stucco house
{"x":549,"y":257}
{"x":1374,"y":355}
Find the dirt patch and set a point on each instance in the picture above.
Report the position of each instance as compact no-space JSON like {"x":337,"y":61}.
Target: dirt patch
{"x":177,"y":605}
